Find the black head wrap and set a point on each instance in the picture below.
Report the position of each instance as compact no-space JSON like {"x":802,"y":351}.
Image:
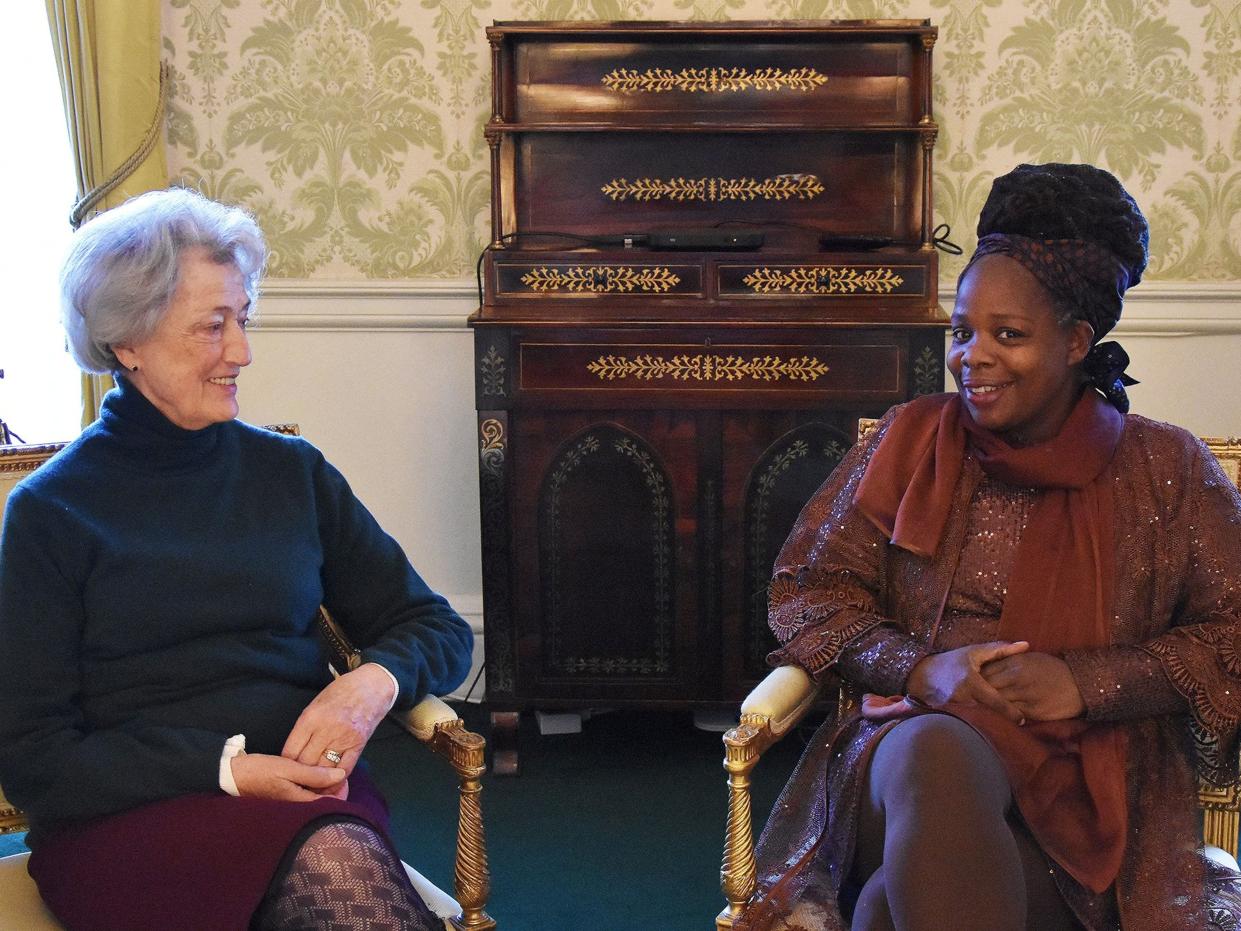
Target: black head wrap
{"x":1077,"y":230}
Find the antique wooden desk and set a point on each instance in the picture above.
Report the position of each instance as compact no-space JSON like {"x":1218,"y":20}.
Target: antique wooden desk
{"x":651,"y":415}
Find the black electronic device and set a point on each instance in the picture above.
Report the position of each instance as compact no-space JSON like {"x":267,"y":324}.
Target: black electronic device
{"x":706,"y":240}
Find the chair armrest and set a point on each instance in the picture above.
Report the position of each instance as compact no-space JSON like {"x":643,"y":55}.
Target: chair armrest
{"x":435,"y":724}
{"x":422,"y":719}
{"x":1220,"y":856}
{"x":783,"y":698}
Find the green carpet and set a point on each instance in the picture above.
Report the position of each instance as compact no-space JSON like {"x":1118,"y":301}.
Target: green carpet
{"x":620,"y":827}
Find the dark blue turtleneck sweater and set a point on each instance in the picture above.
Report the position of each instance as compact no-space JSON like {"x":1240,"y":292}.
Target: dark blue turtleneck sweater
{"x":158,"y":591}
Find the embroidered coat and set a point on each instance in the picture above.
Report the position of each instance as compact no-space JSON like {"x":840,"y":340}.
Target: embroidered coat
{"x":846,"y":605}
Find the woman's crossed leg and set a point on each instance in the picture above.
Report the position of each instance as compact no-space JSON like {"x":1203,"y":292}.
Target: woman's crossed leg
{"x":938,"y":845}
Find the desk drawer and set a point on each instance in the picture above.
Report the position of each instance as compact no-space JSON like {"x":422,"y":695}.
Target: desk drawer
{"x":842,"y":184}
{"x":725,"y":373}
{"x":866,"y":279}
{"x":556,"y":280}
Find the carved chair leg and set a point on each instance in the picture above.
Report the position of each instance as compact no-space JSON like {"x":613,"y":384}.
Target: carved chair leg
{"x":472,"y":878}
{"x":739,"y":871}
{"x":1220,"y":828}
{"x":504,"y":732}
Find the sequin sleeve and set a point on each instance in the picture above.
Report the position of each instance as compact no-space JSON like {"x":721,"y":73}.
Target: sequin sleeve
{"x":882,"y":658}
{"x":1201,"y":654}
{"x":1122,"y":683}
{"x":824,"y":598}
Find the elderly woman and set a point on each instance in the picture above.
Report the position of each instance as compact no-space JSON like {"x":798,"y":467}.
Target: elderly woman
{"x":167,"y":717}
{"x":1050,"y":591}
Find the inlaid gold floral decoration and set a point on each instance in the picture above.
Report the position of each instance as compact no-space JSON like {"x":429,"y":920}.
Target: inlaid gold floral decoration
{"x":823,"y":279}
{"x":601,"y":279}
{"x":712,"y":80}
{"x":797,"y":186}
{"x":492,"y":433}
{"x":705,"y":367}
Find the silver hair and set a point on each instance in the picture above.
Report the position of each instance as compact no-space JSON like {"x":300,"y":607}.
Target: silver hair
{"x":123,"y":266}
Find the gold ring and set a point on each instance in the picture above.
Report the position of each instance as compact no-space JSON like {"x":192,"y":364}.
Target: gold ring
{"x":333,"y":756}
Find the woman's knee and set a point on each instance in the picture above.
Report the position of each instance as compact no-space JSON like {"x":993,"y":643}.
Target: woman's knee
{"x":347,"y":841}
{"x":937,"y":758}
{"x":344,"y":874}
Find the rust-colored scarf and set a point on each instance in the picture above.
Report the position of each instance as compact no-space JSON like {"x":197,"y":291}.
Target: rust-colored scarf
{"x":1068,"y":776}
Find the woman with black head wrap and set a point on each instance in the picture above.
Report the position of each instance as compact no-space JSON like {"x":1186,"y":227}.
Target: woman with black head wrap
{"x":1050,"y":590}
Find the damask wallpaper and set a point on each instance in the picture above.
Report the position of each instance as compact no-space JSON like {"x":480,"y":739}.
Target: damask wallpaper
{"x":353,"y":128}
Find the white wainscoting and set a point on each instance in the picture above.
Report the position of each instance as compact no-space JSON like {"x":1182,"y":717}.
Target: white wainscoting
{"x":380,"y":376}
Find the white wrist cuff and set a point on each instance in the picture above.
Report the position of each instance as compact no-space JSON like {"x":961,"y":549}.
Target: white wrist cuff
{"x":396,"y":687}
{"x":234,"y":746}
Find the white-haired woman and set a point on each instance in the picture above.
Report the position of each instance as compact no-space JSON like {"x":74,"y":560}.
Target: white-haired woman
{"x":166,"y":714}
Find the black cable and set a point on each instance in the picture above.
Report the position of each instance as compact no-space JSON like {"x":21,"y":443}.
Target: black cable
{"x":478,"y":272}
{"x":470,"y":690}
{"x":940,"y":240}
{"x":576,"y":237}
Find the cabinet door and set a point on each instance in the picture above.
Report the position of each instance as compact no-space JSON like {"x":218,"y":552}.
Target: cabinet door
{"x":772,"y":464}
{"x":604,"y":524}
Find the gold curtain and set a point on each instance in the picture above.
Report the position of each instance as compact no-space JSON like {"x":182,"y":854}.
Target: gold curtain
{"x":113,"y":88}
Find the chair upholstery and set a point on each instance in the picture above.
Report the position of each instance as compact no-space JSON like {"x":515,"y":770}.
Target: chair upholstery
{"x":431,"y":721}
{"x":778,"y":702}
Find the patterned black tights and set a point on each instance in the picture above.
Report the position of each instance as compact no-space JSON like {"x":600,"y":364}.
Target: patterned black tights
{"x":344,"y":877}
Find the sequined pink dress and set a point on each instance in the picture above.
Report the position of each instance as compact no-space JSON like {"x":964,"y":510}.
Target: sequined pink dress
{"x":845,"y":603}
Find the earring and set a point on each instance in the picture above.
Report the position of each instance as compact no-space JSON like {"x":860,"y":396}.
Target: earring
{"x":134,"y":369}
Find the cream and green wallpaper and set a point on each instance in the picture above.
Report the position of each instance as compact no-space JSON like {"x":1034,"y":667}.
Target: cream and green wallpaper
{"x":352,"y":128}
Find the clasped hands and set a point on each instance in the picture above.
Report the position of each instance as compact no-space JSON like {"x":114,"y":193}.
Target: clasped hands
{"x":1006,"y":677}
{"x":342,"y":717}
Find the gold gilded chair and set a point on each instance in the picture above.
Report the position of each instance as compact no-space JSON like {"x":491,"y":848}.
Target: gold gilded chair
{"x":777,"y":703}
{"x":431,"y":721}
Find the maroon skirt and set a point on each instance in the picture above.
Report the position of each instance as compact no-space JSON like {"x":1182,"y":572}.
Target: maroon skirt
{"x":198,"y":861}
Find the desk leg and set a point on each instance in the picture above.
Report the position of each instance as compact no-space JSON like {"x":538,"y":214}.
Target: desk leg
{"x":504,"y":731}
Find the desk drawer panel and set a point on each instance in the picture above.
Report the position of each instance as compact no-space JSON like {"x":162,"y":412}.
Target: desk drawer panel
{"x":558,"y":279}
{"x":867,"y":279}
{"x":670,"y":368}
{"x":591,"y":184}
{"x":872,"y":81}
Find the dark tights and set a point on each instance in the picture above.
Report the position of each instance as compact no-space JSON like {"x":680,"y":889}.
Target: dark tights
{"x":938,"y":846}
{"x":344,"y":877}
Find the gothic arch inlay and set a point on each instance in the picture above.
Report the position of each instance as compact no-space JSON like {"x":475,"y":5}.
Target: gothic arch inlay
{"x":606,"y":553}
